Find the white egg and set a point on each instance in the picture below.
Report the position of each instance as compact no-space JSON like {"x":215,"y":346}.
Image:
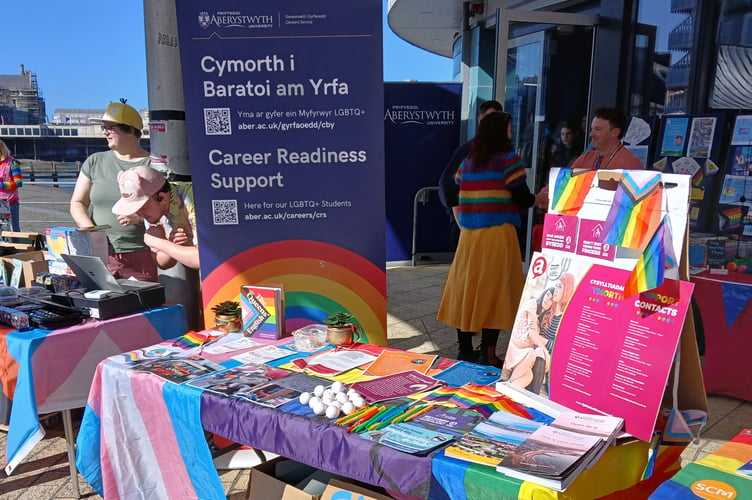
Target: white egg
{"x":314,"y":400}
{"x":327,"y":400}
{"x":348,"y":408}
{"x":318,"y":390}
{"x":335,"y":403}
{"x":304,"y":398}
{"x":338,"y":386}
{"x":319,"y":408}
{"x":328,"y":393}
{"x":342,"y":397}
{"x":332,"y":412}
{"x":358,"y":402}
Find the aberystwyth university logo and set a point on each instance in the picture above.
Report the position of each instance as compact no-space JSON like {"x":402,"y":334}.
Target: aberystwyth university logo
{"x":235,"y":19}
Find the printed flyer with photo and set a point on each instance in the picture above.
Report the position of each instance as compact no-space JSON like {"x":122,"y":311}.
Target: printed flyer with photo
{"x":599,"y":349}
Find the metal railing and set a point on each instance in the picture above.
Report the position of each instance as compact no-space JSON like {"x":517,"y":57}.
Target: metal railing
{"x":36,"y":213}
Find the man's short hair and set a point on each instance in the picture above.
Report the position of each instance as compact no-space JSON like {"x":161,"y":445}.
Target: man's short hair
{"x":615,"y":118}
{"x":495,"y":105}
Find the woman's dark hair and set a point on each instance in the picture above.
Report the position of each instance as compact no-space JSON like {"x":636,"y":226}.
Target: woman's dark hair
{"x":491,"y":137}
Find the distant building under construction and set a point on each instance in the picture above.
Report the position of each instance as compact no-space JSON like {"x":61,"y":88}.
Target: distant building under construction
{"x":21,"y":102}
{"x":70,"y":137}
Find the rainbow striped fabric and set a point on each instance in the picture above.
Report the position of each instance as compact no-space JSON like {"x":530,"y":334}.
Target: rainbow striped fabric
{"x":636,"y":210}
{"x":192,"y":339}
{"x":570,"y":190}
{"x":482,"y":398}
{"x":655,"y":259}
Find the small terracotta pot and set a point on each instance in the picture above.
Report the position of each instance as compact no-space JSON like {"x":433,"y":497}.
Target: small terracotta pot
{"x":343,"y":335}
{"x":226,"y":323}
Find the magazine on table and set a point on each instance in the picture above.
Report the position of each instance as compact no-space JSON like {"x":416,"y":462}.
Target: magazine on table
{"x":240,"y":381}
{"x":334,"y":361}
{"x":428,"y":430}
{"x":463,"y":372}
{"x":396,"y":385}
{"x":389,"y":362}
{"x":231,"y":343}
{"x":179,"y":370}
{"x":263,"y":355}
{"x":408,"y":438}
{"x":551,"y":457}
{"x":491,"y":441}
{"x":285,"y":389}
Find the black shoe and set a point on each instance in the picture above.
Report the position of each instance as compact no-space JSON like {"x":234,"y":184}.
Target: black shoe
{"x":471,"y":356}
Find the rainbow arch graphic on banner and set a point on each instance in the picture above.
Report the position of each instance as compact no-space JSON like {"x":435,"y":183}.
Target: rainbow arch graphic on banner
{"x":318,"y":277}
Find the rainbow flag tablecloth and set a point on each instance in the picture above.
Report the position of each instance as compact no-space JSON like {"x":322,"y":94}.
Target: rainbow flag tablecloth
{"x":724,"y":474}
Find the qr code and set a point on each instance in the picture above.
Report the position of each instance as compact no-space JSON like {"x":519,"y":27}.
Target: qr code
{"x":225,"y":212}
{"x":217,"y":121}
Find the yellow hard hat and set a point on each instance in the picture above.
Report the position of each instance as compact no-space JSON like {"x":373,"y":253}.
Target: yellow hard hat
{"x":120,"y":112}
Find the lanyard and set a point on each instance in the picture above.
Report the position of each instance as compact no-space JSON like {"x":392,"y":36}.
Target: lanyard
{"x":598,"y":160}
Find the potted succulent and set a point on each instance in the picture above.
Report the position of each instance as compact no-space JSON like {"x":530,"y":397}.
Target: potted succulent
{"x":227,"y":316}
{"x":341,"y":328}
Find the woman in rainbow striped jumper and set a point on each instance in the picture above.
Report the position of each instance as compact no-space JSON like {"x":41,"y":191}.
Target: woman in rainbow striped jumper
{"x":485,"y":280}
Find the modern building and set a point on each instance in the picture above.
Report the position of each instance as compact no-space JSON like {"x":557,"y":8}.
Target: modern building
{"x":549,"y":60}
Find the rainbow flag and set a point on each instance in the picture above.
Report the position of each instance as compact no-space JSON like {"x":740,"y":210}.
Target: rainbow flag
{"x":655,"y":259}
{"x":636,"y":210}
{"x":481,"y":398}
{"x":649,"y":271}
{"x":571,"y":188}
{"x":192,"y":339}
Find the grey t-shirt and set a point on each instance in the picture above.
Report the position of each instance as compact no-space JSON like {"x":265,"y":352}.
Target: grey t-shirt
{"x":102,"y":169}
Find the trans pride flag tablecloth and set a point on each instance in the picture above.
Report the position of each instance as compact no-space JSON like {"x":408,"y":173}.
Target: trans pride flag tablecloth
{"x":50,"y":370}
{"x":142,"y":436}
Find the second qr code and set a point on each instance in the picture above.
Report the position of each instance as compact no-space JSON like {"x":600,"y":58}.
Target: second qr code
{"x":225,"y":212}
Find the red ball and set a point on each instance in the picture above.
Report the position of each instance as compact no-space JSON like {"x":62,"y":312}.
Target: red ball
{"x":742,"y":268}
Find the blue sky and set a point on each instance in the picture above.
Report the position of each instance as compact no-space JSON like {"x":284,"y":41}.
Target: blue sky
{"x":86,"y":53}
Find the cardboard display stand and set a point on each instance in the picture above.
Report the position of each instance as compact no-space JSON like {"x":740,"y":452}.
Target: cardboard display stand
{"x":625,"y":250}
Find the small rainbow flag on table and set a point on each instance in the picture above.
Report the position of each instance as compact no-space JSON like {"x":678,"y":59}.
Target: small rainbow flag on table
{"x":192,"y":339}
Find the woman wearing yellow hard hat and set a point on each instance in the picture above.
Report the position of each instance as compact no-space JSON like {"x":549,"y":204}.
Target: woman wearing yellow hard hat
{"x":96,"y":191}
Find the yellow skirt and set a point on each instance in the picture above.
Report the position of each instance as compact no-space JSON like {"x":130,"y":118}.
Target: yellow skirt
{"x":485,"y":281}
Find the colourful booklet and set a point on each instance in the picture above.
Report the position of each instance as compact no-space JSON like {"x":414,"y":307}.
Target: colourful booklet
{"x":179,"y":370}
{"x":408,"y":438}
{"x":463,"y":372}
{"x":263,"y":310}
{"x":389,"y":362}
{"x":551,"y":457}
{"x":491,"y":441}
{"x":240,"y":381}
{"x":396,"y":385}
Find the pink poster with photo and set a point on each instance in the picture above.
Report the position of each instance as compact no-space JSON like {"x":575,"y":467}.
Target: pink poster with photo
{"x":611,"y":350}
{"x":578,"y":341}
